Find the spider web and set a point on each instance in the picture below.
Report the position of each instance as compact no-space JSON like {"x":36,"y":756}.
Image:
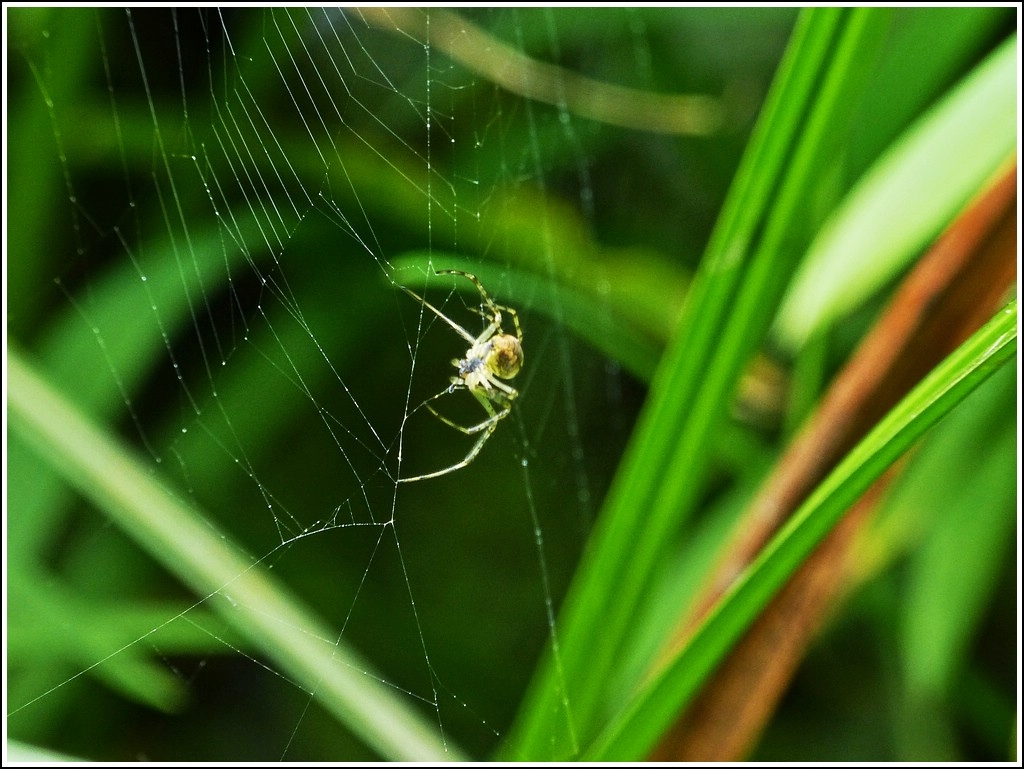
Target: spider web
{"x":241,"y":195}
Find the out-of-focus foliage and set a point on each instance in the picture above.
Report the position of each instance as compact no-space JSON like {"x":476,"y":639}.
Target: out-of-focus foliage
{"x":212,"y":327}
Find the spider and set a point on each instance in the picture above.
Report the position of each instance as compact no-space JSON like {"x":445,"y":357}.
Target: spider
{"x":492,"y":356}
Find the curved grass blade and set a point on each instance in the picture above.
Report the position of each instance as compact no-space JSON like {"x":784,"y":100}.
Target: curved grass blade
{"x":979,"y":117}
{"x":635,"y":731}
{"x":740,"y":281}
{"x":245,"y":596}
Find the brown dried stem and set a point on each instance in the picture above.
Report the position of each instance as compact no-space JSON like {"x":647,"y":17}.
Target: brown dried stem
{"x":949,"y":294}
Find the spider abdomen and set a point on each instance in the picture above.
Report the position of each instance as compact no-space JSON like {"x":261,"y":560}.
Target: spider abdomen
{"x":505,"y":357}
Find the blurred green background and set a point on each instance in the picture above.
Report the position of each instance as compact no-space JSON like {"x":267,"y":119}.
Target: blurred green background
{"x":208,"y":212}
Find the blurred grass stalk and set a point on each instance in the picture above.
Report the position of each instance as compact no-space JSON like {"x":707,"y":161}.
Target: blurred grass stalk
{"x":236,"y":586}
{"x":737,"y":289}
{"x":634,"y":730}
{"x":950,"y":293}
{"x":756,"y":247}
{"x":752,"y":255}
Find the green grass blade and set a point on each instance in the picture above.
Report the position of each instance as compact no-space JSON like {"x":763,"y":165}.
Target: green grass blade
{"x":953,"y":573}
{"x":740,"y":282}
{"x":979,"y":117}
{"x":186,"y":543}
{"x":635,"y":732}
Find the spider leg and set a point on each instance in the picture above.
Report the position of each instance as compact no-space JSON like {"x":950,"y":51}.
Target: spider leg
{"x":426,"y":404}
{"x":476,"y":282}
{"x":485,"y":428}
{"x":509,"y":391}
{"x":515,"y":319}
{"x":458,"y":465}
{"x":494,"y":416}
{"x":458,"y":329}
{"x":493,"y":310}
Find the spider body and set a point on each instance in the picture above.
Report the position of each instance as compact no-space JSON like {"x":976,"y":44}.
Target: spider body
{"x":492,"y":356}
{"x":500,"y":356}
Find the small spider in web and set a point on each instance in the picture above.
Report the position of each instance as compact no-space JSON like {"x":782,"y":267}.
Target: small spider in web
{"x":492,"y":356}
